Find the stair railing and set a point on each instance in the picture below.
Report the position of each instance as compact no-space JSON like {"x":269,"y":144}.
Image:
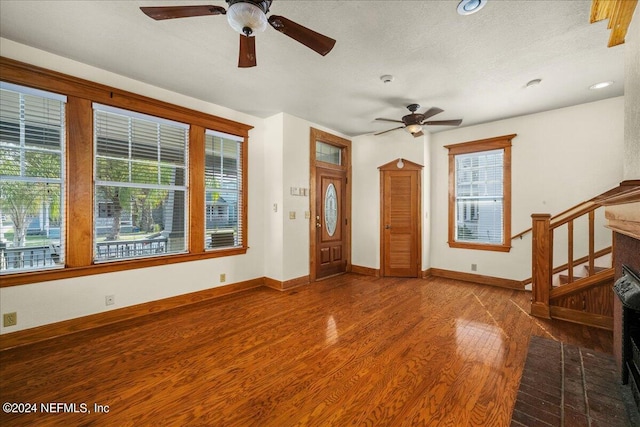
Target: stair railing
{"x":543,"y":227}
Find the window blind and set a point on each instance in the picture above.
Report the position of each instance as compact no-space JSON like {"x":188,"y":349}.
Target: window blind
{"x":32,"y":135}
{"x":479,"y":197}
{"x":223,"y":190}
{"x":140,"y":185}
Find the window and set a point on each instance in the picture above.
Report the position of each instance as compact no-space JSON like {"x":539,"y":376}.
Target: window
{"x":480,"y":194}
{"x":119,"y":177}
{"x":32,"y":135}
{"x":223,"y":190}
{"x":328,"y":153}
{"x":140,"y":185}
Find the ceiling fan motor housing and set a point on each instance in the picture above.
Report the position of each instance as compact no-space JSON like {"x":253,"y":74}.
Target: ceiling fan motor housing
{"x":413,"y":107}
{"x":264,"y":5}
{"x":412,"y":119}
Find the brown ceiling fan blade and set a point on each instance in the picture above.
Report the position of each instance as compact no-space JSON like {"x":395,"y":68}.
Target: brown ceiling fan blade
{"x":389,"y":120}
{"x":432,"y":112}
{"x":171,"y":12}
{"x":389,"y":130}
{"x":247,"y":56}
{"x":444,"y":122}
{"x":417,"y":134}
{"x":316,"y":41}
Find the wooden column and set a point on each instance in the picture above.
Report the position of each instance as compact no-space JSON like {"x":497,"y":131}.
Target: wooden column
{"x":196,"y":189}
{"x":541,"y":265}
{"x":79,"y":239}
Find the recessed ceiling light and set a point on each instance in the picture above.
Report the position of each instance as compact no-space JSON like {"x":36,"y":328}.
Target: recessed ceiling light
{"x":601,"y":85}
{"x":387,"y":78}
{"x":467,"y":7}
{"x":534,"y":82}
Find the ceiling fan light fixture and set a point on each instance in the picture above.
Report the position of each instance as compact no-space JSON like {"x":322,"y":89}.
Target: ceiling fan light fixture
{"x":413,"y":128}
{"x":467,"y":7}
{"x":246,"y":18}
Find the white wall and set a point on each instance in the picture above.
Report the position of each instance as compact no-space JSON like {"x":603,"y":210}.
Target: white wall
{"x":426,"y":203}
{"x":43,"y":303}
{"x":296,"y":174}
{"x":273,"y":197}
{"x":632,"y":99}
{"x":559,"y":159}
{"x":369,"y":153}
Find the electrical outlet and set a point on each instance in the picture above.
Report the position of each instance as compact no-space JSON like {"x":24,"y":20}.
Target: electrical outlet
{"x":9,"y":319}
{"x":474,"y":267}
{"x":109,"y":300}
{"x":223,"y":278}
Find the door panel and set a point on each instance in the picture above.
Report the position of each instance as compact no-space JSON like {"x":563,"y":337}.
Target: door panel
{"x":400,"y":221}
{"x":330,"y":222}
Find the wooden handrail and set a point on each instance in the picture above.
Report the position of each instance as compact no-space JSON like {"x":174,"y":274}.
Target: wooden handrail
{"x":522,"y":233}
{"x":582,"y":284}
{"x":573,"y":213}
{"x":597,"y":254}
{"x":563,"y":217}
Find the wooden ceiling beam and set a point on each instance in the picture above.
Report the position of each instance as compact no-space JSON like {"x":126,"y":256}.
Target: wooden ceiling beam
{"x":619,"y":13}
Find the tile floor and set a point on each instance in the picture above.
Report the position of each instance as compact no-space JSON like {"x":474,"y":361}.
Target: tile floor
{"x":563,"y":385}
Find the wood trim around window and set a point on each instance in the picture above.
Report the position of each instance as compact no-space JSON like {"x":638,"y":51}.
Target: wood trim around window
{"x":499,"y":142}
{"x":79,"y":180}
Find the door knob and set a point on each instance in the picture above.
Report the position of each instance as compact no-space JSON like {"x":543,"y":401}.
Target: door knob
{"x":388,"y":227}
{"x":318,"y":225}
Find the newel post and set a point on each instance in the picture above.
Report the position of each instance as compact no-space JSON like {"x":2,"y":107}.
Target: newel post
{"x":541,"y":265}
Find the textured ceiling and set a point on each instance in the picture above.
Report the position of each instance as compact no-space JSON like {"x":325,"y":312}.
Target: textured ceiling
{"x":474,"y":67}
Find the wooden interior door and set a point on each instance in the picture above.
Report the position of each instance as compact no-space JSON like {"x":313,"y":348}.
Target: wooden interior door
{"x":331,"y":254}
{"x":401,"y":246}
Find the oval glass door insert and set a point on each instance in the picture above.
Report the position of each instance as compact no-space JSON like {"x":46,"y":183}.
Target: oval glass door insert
{"x":331,"y":209}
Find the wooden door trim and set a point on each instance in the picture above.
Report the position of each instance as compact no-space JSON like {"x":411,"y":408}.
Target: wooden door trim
{"x":345,"y":144}
{"x":391,"y":167}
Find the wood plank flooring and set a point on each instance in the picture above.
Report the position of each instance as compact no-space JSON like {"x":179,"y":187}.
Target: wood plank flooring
{"x":351,"y":350}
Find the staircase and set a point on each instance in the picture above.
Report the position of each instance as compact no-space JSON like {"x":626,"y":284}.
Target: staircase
{"x":578,"y":289}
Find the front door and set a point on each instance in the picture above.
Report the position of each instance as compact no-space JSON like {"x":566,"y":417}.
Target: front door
{"x":329,"y":205}
{"x":400,"y":214}
{"x":330,"y":222}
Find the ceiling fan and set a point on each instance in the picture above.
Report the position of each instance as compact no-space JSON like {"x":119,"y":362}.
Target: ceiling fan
{"x":413,"y":122}
{"x":248,"y":17}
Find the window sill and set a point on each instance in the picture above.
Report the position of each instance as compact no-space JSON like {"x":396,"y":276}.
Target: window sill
{"x":481,"y":246}
{"x":27,"y":277}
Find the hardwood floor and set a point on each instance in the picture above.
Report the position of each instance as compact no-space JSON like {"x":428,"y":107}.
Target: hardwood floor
{"x":351,"y":350}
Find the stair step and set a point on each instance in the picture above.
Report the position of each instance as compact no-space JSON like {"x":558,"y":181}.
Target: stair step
{"x":596,"y":269}
{"x":564,"y":278}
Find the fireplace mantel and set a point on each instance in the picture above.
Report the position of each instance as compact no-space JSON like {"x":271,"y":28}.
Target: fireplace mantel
{"x":622,"y":212}
{"x":622,"y":208}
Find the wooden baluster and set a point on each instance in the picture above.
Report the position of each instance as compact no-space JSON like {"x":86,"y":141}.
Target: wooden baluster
{"x":591,"y":242}
{"x":570,"y":251}
{"x":541,"y":265}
